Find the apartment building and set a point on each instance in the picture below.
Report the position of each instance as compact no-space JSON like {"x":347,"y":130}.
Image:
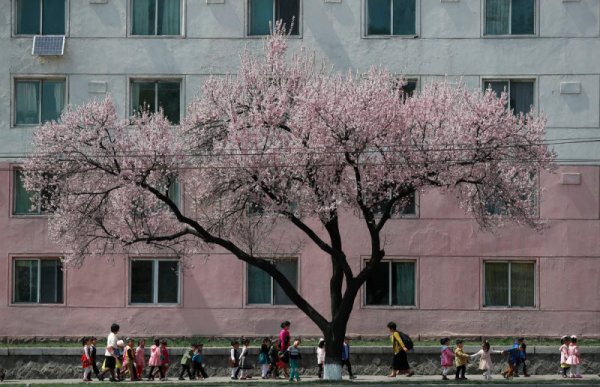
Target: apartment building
{"x":441,"y":276}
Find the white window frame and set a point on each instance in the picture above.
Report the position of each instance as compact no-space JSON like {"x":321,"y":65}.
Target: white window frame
{"x":15,"y":18}
{"x":517,"y":79}
{"x":297,"y":21}
{"x":156,"y":79}
{"x":391,"y":260}
{"x":14,"y":259}
{"x":29,"y":78}
{"x":271,"y":304}
{"x":536,"y":15}
{"x":155,"y":272}
{"x":536,"y":265}
{"x":365,"y":27}
{"x":182,"y":25}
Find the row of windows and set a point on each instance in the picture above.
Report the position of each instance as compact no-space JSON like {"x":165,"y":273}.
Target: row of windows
{"x":41,"y":100}
{"x":158,"y":281}
{"x":382,"y":17}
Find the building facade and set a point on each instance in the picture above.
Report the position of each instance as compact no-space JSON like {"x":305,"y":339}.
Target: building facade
{"x":441,"y":276}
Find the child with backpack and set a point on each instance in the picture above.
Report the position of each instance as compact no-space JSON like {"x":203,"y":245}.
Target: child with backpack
{"x":198,"y":367}
{"x":186,"y":362}
{"x":263,"y":357}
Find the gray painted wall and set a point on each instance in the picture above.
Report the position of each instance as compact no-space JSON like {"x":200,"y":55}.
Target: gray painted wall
{"x":100,"y":54}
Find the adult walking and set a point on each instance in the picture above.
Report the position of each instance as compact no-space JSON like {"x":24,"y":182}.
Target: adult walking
{"x":400,"y":360}
{"x":284,"y":343}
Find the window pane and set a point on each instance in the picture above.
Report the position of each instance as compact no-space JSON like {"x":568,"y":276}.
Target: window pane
{"x":259,"y":286}
{"x":141,"y":282}
{"x":143,"y":17}
{"x":403,"y":283}
{"x":51,"y":282}
{"x":53,"y":17}
{"x":378,"y":17}
{"x":290,"y":271}
{"x":408,"y":90}
{"x":496,"y":17}
{"x":522,"y":22}
{"x":22,"y":198}
{"x":27,"y":95}
{"x":28,"y":17}
{"x":53,"y":99}
{"x":405,"y":14}
{"x":261,"y":13}
{"x":496,"y":284}
{"x":378,"y":285}
{"x":169,"y":16}
{"x":168,"y":282}
{"x":168,"y":100}
{"x":26,"y":281}
{"x":522,"y":284}
{"x":288,"y":10}
{"x":521,"y":97}
{"x":174,"y":193}
{"x":143,"y":96}
{"x":408,"y":205}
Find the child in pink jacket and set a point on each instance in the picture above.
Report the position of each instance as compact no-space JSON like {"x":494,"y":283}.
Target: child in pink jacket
{"x":447,"y":357}
{"x":574,"y":359}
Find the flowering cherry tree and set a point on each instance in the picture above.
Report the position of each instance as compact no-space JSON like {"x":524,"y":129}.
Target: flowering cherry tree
{"x":301,"y":142}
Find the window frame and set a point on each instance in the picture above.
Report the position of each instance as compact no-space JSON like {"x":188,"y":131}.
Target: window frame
{"x":248,"y":305}
{"x":182,"y":24}
{"x":41,"y":213}
{"x":536,"y":23}
{"x":15,"y":17}
{"x":29,"y":257}
{"x":391,"y":260}
{"x":298,"y":21}
{"x":155,"y":281}
{"x":365,"y":18}
{"x":510,"y":260}
{"x":485,"y":80}
{"x":30,"y":78}
{"x":156,"y":79}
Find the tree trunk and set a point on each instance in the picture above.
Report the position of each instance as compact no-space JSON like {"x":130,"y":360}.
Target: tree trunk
{"x":334,"y":342}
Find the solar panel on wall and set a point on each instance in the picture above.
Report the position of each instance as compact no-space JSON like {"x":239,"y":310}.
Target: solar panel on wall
{"x":48,"y":45}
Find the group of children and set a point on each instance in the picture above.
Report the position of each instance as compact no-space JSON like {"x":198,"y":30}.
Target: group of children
{"x":131,"y":361}
{"x":516,"y":356}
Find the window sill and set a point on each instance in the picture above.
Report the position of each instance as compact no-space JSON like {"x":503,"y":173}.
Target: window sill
{"x":35,"y":304}
{"x":264,"y":36}
{"x":510,"y":36}
{"x":131,"y":36}
{"x":390,"y":36}
{"x":505,"y":308}
{"x":150,"y":305}
{"x":31,"y":216}
{"x":390,"y":307}
{"x":269,"y":306}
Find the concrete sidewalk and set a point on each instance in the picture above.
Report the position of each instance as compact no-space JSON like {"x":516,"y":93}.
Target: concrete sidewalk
{"x":420,"y":380}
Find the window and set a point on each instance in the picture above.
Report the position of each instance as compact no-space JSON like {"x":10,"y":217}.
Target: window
{"x":38,"y":100}
{"x":154,"y":281}
{"x":263,"y":290}
{"x":391,"y":17}
{"x":37,"y":281}
{"x":263,"y":12}
{"x":174,"y":193}
{"x":156,"y":17}
{"x":22,"y":199}
{"x":509,"y":17}
{"x":509,"y":284}
{"x":391,"y":284}
{"x":155,"y":95}
{"x":40,"y":17}
{"x":406,"y":207}
{"x":520,"y":93}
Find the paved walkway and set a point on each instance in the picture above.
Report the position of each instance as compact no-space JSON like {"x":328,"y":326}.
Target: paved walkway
{"x":421,"y":380}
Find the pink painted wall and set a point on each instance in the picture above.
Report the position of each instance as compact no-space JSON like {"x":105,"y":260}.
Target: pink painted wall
{"x":447,"y":246}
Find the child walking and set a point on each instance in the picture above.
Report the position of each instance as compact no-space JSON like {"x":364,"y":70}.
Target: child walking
{"x":154,"y":361}
{"x":574,"y":358}
{"x":263,"y":357}
{"x":295,"y":356}
{"x":564,"y":355}
{"x":244,"y":363}
{"x":140,"y":358}
{"x":321,"y":357}
{"x":129,"y":360}
{"x":86,"y":360}
{"x":446,"y":357}
{"x":93,"y":358}
{"x":273,"y":359}
{"x":234,"y":359}
{"x":164,"y":359}
{"x":186,"y":362}
{"x":485,"y":362}
{"x":460,"y":359}
{"x":346,"y":357}
{"x":198,"y":368}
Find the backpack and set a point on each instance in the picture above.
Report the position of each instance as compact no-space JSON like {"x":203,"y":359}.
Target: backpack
{"x":408,"y":343}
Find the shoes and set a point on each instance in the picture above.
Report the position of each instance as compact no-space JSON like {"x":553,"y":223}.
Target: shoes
{"x":526,"y":375}
{"x":463,"y":378}
{"x":392,"y":376}
{"x":444,"y":377}
{"x":181,"y":378}
{"x":100,"y":377}
{"x":233,"y":378}
{"x":411,"y":373}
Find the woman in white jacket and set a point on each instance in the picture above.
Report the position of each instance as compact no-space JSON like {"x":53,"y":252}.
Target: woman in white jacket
{"x":321,"y":357}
